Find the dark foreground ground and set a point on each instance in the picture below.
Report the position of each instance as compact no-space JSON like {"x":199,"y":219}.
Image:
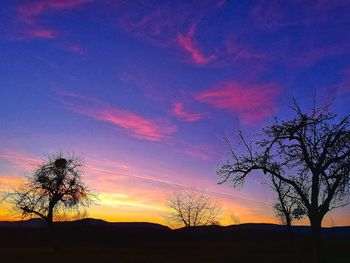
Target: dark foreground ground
{"x":93,"y":240}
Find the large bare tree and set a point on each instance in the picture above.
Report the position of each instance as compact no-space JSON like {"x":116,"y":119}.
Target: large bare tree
{"x":193,"y":208}
{"x":309,"y":152}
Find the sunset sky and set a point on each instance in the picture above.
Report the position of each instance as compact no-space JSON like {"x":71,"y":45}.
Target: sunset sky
{"x":145,"y":91}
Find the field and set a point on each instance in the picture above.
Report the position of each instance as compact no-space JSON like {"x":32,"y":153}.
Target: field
{"x":143,"y":242}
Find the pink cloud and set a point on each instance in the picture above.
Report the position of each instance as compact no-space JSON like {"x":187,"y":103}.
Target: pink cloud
{"x":179,"y":111}
{"x":202,"y":152}
{"x":164,"y":25}
{"x":139,"y":126}
{"x":136,"y":125}
{"x":74,"y":48}
{"x":22,"y":161}
{"x":198,"y":153}
{"x":241,"y":52}
{"x":150,"y":21}
{"x":268,"y":14}
{"x":250,"y":102}
{"x":187,"y":43}
{"x":274,"y":14}
{"x":14,"y":155}
{"x":315,"y":54}
{"x":30,"y":10}
{"x":29,"y":14}
{"x":37,"y":33}
{"x":146,"y":83}
{"x":177,"y":27}
{"x":154,"y":24}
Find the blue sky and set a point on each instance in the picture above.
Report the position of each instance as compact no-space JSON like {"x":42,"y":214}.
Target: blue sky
{"x":146,"y":90}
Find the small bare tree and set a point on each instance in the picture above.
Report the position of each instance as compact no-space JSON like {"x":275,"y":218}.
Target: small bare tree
{"x":235,"y":219}
{"x":193,"y":208}
{"x":286,"y":207}
{"x":55,"y":186}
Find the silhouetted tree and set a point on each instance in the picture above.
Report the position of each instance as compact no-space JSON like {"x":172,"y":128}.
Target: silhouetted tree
{"x":286,"y":207}
{"x":193,"y":208}
{"x":235,"y":219}
{"x":70,"y":216}
{"x":310,"y":153}
{"x":55,"y":186}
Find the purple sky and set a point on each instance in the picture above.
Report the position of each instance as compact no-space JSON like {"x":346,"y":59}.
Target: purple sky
{"x":145,"y":91}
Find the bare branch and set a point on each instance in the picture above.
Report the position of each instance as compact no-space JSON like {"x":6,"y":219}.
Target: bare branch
{"x":308,"y":156}
{"x":193,"y":208}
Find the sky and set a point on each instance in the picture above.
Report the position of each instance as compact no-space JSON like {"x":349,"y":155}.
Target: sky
{"x":145,"y":91}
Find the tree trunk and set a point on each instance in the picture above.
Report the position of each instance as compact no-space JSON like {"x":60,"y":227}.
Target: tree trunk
{"x":288,"y":221}
{"x":292,"y":243}
{"x":316,"y":221}
{"x":52,"y":231}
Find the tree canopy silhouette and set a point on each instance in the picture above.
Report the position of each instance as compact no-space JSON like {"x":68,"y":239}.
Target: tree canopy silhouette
{"x":310,"y":153}
{"x":193,"y":208}
{"x":286,"y":207}
{"x":54,"y":186}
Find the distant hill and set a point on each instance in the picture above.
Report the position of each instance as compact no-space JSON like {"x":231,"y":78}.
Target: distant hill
{"x":87,"y":222}
{"x":99,"y":223}
{"x":34,"y":222}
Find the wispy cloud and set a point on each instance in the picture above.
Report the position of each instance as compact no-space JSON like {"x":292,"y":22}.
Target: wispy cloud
{"x":137,"y":126}
{"x":19,"y":159}
{"x":198,"y":153}
{"x":15,"y":162}
{"x":187,"y":43}
{"x":29,"y":14}
{"x":274,"y":14}
{"x":172,"y":26}
{"x":74,"y":48}
{"x":179,"y":111}
{"x":268,"y":14}
{"x":314,"y":54}
{"x":143,"y":82}
{"x":41,"y":33}
{"x":31,"y":10}
{"x":236,"y":51}
{"x":142,"y":188}
{"x":250,"y":102}
{"x":159,"y":24}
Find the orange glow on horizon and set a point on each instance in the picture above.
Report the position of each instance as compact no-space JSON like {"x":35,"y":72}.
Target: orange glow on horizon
{"x":126,"y":195}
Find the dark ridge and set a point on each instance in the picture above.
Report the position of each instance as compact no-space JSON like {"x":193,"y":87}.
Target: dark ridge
{"x":339,"y":231}
{"x":92,"y":222}
{"x":33,"y":222}
{"x":96,"y":232}
{"x":96,"y":223}
{"x":89,"y":222}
